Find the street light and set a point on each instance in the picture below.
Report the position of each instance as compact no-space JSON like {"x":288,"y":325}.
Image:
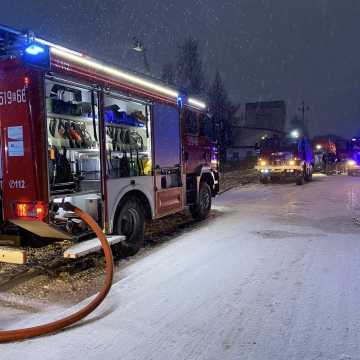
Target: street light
{"x":295,"y":134}
{"x":138,"y":46}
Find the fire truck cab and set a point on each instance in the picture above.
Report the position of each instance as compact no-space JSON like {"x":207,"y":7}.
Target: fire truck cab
{"x":286,"y":157}
{"x":124,"y":148}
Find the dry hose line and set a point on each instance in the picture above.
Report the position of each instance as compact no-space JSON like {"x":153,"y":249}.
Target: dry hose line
{"x":23,"y":334}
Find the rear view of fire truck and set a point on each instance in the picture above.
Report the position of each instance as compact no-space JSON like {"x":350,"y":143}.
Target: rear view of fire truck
{"x":25,"y":194}
{"x":113,"y":144}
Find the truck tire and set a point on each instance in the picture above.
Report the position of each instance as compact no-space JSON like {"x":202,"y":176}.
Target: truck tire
{"x":130,"y":222}
{"x":300,"y":179}
{"x":201,"y":210}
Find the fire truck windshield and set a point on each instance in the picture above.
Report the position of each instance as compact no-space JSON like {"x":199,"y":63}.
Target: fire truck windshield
{"x":277,"y":144}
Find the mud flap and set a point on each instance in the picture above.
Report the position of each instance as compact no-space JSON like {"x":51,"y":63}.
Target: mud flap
{"x":41,"y":229}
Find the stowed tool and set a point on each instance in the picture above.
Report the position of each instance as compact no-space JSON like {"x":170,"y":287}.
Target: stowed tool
{"x":23,"y":334}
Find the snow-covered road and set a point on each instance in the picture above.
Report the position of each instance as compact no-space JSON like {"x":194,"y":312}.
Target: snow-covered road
{"x":276,"y":275}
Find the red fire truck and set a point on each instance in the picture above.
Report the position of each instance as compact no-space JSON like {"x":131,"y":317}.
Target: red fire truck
{"x":124,"y":148}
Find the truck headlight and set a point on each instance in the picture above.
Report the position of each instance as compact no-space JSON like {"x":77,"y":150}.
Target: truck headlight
{"x":351,"y":163}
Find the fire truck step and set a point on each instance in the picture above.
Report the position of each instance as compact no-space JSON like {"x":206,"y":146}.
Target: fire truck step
{"x":90,"y":246}
{"x":12,"y":256}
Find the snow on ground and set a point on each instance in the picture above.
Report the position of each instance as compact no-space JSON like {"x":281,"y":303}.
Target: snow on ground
{"x":13,"y":308}
{"x":275,"y":276}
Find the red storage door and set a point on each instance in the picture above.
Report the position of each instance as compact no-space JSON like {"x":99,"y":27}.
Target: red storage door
{"x":23,"y":151}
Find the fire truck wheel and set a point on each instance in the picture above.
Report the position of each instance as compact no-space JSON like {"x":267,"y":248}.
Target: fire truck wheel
{"x":201,"y":210}
{"x":300,"y":179}
{"x":130,"y":222}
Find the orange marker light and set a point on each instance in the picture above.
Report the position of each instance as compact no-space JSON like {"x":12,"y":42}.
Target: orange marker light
{"x":21,"y":210}
{"x":30,"y":210}
{"x":40,"y":211}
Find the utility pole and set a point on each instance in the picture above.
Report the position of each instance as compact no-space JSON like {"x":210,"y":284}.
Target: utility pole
{"x":304,"y":108}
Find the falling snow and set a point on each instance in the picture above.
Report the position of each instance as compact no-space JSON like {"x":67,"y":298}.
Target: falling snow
{"x":266,"y":49}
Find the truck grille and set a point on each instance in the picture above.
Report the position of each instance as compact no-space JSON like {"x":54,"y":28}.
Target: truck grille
{"x":278,"y":162}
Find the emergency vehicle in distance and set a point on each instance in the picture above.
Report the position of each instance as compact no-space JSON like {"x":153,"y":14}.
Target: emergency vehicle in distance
{"x":126,"y":149}
{"x":353,"y":163}
{"x":286,"y":157}
{"x":324,"y":148}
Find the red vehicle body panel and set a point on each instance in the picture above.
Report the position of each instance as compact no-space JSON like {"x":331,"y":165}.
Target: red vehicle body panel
{"x":197,"y":149}
{"x":22,"y":121}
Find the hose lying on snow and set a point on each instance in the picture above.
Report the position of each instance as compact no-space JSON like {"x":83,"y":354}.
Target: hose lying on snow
{"x":22,"y":334}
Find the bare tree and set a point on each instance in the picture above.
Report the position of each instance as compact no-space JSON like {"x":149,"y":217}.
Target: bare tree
{"x":189,"y":67}
{"x":222,"y":111}
{"x":168,"y":73}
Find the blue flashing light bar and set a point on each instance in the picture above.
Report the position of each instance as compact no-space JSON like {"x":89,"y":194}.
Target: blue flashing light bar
{"x":34,"y":50}
{"x":36,"y":54}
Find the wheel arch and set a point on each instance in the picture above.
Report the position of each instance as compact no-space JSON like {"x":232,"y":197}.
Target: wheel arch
{"x":207,"y":176}
{"x":144,"y":200}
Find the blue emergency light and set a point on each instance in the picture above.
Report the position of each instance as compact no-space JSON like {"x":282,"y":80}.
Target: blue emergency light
{"x":37,"y":55}
{"x":34,"y":50}
{"x":181,"y":101}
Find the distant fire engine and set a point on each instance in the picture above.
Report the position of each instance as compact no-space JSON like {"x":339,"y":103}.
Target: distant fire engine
{"x":286,"y":157}
{"x":353,"y":162}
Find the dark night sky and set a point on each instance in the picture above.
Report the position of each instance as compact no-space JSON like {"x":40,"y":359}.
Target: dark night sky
{"x":265,"y":49}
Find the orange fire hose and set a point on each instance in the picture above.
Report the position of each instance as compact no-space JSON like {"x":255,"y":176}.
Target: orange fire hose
{"x":23,"y":334}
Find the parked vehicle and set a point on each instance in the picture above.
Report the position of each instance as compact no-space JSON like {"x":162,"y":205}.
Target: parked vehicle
{"x":343,"y":151}
{"x":115,"y":144}
{"x":353,"y":163}
{"x":323,"y":147}
{"x":285,"y":158}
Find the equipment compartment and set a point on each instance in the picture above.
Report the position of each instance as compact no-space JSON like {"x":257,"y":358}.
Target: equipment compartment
{"x":73,"y":139}
{"x":128,"y":137}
